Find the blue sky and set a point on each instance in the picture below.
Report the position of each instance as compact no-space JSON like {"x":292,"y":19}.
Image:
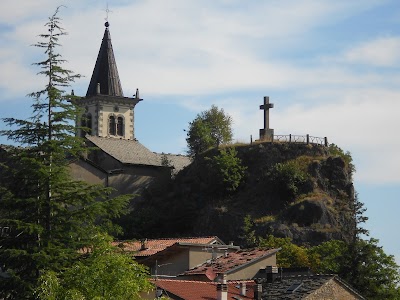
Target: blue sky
{"x":332,"y":68}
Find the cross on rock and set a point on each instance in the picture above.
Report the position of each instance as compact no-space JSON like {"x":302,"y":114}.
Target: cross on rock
{"x":266,"y":106}
{"x":266,"y":133}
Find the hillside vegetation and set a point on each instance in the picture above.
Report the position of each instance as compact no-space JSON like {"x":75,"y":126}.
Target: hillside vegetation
{"x":300,"y":191}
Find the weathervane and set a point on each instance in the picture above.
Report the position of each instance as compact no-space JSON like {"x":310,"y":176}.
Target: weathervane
{"x":107,"y":12}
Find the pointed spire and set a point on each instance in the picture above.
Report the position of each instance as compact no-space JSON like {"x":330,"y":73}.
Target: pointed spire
{"x":105,"y":73}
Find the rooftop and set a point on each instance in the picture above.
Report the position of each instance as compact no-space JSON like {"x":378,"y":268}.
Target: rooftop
{"x":105,"y":71}
{"x":231,"y":260}
{"x":126,"y":151}
{"x":299,"y":287}
{"x":157,"y":245}
{"x":200,"y":290}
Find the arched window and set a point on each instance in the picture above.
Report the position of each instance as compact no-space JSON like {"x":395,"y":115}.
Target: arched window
{"x":120,"y":126}
{"x":111,"y":125}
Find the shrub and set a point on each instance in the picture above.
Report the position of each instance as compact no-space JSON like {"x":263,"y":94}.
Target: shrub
{"x":288,"y":180}
{"x":226,"y":170}
{"x":335,"y":150}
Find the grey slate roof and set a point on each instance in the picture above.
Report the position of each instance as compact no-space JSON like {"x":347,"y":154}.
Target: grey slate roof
{"x":105,"y":71}
{"x":302,"y":285}
{"x":126,"y":151}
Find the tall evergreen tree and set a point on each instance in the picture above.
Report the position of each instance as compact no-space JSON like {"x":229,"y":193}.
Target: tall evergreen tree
{"x":50,"y":216}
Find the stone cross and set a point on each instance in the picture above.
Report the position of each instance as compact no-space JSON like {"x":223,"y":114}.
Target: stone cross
{"x":266,"y":106}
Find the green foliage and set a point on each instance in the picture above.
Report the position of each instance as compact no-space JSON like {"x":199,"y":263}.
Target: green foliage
{"x":105,"y":274}
{"x":249,"y":234}
{"x":370,"y":270}
{"x":363,"y":264}
{"x":335,"y":150}
{"x":290,"y":254}
{"x":209,"y":129}
{"x":227,"y":171}
{"x":288,"y":179}
{"x":165,"y":161}
{"x":326,"y":257}
{"x":50,"y":216}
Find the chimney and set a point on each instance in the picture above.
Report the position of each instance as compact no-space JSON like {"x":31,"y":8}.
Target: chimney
{"x":243,"y":289}
{"x":257,"y":291}
{"x":222,"y":289}
{"x":272,"y":273}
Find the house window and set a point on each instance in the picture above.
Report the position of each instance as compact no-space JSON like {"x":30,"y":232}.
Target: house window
{"x":111,"y":125}
{"x":120,"y":126}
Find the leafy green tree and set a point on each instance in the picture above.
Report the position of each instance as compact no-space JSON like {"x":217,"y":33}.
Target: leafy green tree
{"x":106,"y":273}
{"x":50,"y":216}
{"x":290,"y":255}
{"x":227,"y":170}
{"x":210,"y":128}
{"x":371,"y":271}
{"x":327,"y":258}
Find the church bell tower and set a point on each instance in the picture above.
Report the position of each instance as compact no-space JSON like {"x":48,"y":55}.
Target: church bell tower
{"x":105,"y":110}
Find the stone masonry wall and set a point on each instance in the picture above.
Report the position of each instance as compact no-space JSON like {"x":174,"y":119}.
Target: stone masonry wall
{"x":332,"y":290}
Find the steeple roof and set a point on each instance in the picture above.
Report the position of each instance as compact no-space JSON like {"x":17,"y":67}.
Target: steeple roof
{"x":105,"y":71}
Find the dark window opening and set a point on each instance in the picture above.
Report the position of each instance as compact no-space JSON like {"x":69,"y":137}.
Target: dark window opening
{"x":111,"y":125}
{"x":120,"y":126}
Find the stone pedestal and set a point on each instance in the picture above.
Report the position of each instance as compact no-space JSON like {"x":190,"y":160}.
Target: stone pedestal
{"x":267,"y":135}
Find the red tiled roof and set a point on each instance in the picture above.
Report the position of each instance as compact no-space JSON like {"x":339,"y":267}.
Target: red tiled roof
{"x":157,"y":245}
{"x":231,"y":260}
{"x":202,"y":290}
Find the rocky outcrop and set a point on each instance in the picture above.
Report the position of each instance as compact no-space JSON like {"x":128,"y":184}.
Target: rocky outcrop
{"x":307,"y":197}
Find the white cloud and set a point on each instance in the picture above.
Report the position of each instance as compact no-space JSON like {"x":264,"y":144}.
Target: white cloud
{"x":379,"y":52}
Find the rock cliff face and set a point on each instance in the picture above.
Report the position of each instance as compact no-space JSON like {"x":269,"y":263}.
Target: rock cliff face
{"x":289,"y":190}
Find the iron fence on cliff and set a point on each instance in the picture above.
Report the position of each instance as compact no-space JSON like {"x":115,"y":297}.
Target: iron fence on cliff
{"x":306,"y":139}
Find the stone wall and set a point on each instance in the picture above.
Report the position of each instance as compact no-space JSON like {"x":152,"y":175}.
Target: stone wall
{"x":333,"y":290}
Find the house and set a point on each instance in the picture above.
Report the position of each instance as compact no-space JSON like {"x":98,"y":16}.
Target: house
{"x":238,"y":265}
{"x":107,"y":122}
{"x":173,"y":256}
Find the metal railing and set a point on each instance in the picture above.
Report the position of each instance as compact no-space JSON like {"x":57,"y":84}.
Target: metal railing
{"x":305,"y":139}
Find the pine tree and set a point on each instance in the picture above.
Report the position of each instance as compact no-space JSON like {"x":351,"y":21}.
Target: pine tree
{"x":50,"y":216}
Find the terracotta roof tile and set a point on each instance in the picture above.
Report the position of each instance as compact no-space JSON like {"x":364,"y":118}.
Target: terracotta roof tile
{"x":157,"y":245}
{"x":200,"y":290}
{"x":230,"y":261}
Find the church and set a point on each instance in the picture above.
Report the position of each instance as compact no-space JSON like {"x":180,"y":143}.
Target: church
{"x":119,"y":159}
